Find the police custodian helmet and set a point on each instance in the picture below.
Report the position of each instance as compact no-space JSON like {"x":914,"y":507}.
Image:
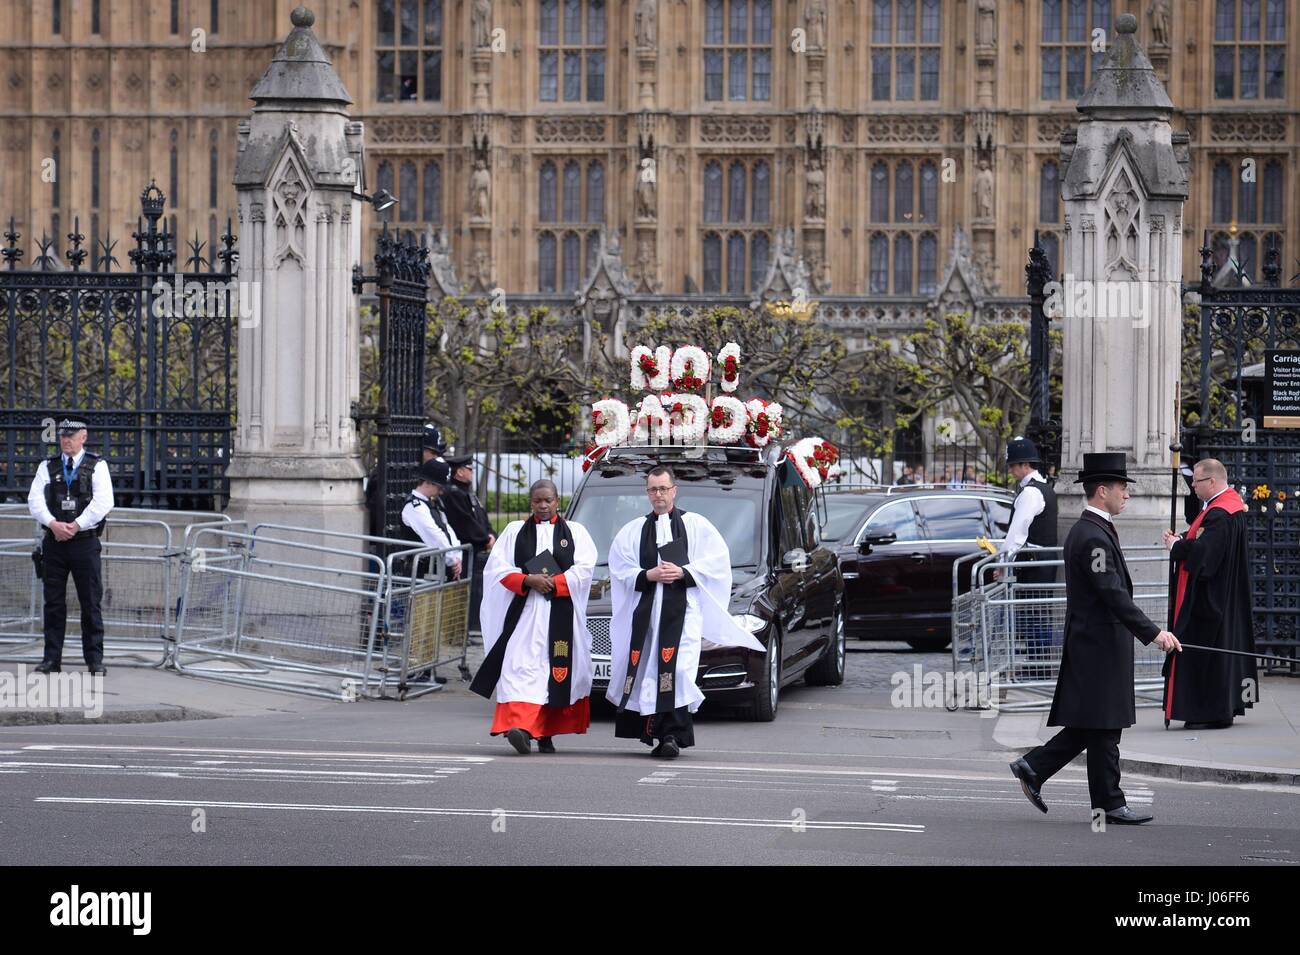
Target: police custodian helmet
{"x":1020,"y":450}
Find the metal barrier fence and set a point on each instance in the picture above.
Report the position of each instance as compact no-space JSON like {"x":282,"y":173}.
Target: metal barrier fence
{"x":140,"y":568}
{"x":261,"y":608}
{"x":1008,"y":635}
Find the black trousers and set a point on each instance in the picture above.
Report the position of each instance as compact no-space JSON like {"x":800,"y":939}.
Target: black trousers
{"x":1103,"y":762}
{"x":476,"y":589}
{"x":677,"y":723}
{"x":80,"y":558}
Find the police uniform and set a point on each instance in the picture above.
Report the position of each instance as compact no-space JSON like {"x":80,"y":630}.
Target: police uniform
{"x":1033,"y":517}
{"x":423,"y":521}
{"x":78,"y":490}
{"x":470,"y":522}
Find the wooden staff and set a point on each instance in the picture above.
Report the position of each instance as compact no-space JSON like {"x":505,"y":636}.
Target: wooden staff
{"x":1175,"y":446}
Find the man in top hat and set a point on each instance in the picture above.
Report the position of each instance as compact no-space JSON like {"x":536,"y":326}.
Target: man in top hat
{"x":1094,"y":692}
{"x":424,"y":521}
{"x":469,"y":520}
{"x":1033,"y":522}
{"x":70,"y":497}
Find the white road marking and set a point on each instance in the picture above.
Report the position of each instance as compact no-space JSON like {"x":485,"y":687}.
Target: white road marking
{"x":314,"y":754}
{"x":759,"y":823}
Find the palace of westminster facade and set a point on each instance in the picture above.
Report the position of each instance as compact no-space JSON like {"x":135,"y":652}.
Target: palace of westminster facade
{"x":869,"y":139}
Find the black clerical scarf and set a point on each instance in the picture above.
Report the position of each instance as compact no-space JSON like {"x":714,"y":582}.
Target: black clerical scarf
{"x":560,"y":631}
{"x":672,"y":616}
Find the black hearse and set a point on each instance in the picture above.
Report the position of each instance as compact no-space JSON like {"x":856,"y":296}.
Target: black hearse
{"x":787,"y":588}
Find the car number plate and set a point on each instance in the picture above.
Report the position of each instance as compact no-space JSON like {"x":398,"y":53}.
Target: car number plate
{"x":600,"y":671}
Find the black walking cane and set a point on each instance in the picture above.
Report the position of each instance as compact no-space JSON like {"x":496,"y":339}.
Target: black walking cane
{"x":1175,"y":446}
{"x":1241,"y":653}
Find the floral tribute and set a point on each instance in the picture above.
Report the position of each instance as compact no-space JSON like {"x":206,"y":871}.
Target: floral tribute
{"x":816,"y":460}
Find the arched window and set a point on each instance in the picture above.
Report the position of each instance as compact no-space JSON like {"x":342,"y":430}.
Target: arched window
{"x":407,"y":208}
{"x":56,"y":17}
{"x":713,"y":262}
{"x":903,"y":265}
{"x":1247,"y":207}
{"x":929,"y":192}
{"x":736,"y":189}
{"x":762,"y":194}
{"x":384,"y":181}
{"x":758,"y":260}
{"x":879,"y":275}
{"x":713,"y":192}
{"x":593,"y":249}
{"x":213,"y":164}
{"x":1248,"y":255}
{"x":94,"y":169}
{"x":1272,"y":211}
{"x":903,"y":192}
{"x":215,"y":26}
{"x":175,"y":17}
{"x":879,"y":193}
{"x":173,"y":169}
{"x":1049,"y":193}
{"x":546,"y":262}
{"x":572,"y":193}
{"x":94,"y":17}
{"x":927,"y":255}
{"x":432,"y":195}
{"x":595,"y":192}
{"x":1221,"y":206}
{"x":213,"y":261}
{"x":571,"y":262}
{"x":735,"y":263}
{"x":546,"y":193}
{"x":1050,"y":249}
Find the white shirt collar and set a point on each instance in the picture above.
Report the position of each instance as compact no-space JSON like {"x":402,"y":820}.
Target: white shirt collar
{"x":1031,"y":476}
{"x":418,"y":496}
{"x":76,"y":458}
{"x":1099,"y":512}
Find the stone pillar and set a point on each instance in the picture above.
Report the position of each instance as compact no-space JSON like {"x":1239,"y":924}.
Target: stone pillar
{"x":299,"y":166}
{"x":1124,"y":184}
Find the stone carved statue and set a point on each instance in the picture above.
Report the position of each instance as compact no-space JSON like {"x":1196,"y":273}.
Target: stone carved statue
{"x":984,"y":191}
{"x":481,"y":19}
{"x":815,"y":18}
{"x":646,"y":25}
{"x":480,"y":190}
{"x":646,"y":195}
{"x":1158,"y":14}
{"x":986,"y":28}
{"x":815,"y":181}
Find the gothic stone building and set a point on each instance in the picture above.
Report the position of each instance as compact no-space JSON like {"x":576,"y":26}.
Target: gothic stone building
{"x":849,"y":138}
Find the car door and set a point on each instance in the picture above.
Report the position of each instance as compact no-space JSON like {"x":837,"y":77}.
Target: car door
{"x":791,"y":568}
{"x":951,"y":525}
{"x":884,"y":582}
{"x":819,"y":591}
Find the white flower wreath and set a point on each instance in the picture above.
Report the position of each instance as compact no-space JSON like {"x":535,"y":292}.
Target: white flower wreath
{"x":729,"y":350}
{"x":695,"y":359}
{"x":662,"y":358}
{"x":691,"y":420}
{"x":651,"y":422}
{"x":735,"y":420}
{"x":756,"y":436}
{"x":615,"y":422}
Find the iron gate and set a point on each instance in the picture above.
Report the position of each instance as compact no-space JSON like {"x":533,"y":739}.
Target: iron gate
{"x":402,"y":289}
{"x":1237,"y":325}
{"x":144,"y":357}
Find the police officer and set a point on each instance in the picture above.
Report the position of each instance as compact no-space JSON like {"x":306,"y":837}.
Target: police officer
{"x":423,"y":521}
{"x":470,"y":522}
{"x":1033,"y":521}
{"x":434,"y":446}
{"x":70,"y":497}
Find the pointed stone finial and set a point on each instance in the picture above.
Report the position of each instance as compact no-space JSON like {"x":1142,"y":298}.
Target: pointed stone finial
{"x":301,"y":70}
{"x":302,"y":17}
{"x":1125,"y":85}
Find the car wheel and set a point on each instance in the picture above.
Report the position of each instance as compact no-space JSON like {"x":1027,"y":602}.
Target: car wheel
{"x":929,"y":644}
{"x":829,"y":670}
{"x":767,"y":692}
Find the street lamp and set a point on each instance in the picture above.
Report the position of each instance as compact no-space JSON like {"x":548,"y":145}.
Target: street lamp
{"x":381,"y":200}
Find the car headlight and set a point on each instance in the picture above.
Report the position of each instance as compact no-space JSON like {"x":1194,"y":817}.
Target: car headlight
{"x":750,"y":622}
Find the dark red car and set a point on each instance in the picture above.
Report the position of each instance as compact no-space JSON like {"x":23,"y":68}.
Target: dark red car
{"x":896,"y":548}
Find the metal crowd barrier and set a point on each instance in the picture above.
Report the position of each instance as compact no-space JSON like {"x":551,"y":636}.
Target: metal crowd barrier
{"x":140,"y":571}
{"x":1008,"y":635}
{"x":316,"y":612}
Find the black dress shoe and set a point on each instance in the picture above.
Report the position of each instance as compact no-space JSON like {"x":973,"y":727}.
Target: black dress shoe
{"x":44,"y":667}
{"x":668,"y":749}
{"x":1214,"y":725}
{"x":1124,"y":816}
{"x":1029,"y":783}
{"x":521,"y":741}
{"x":100,"y":670}
{"x":545,"y":745}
